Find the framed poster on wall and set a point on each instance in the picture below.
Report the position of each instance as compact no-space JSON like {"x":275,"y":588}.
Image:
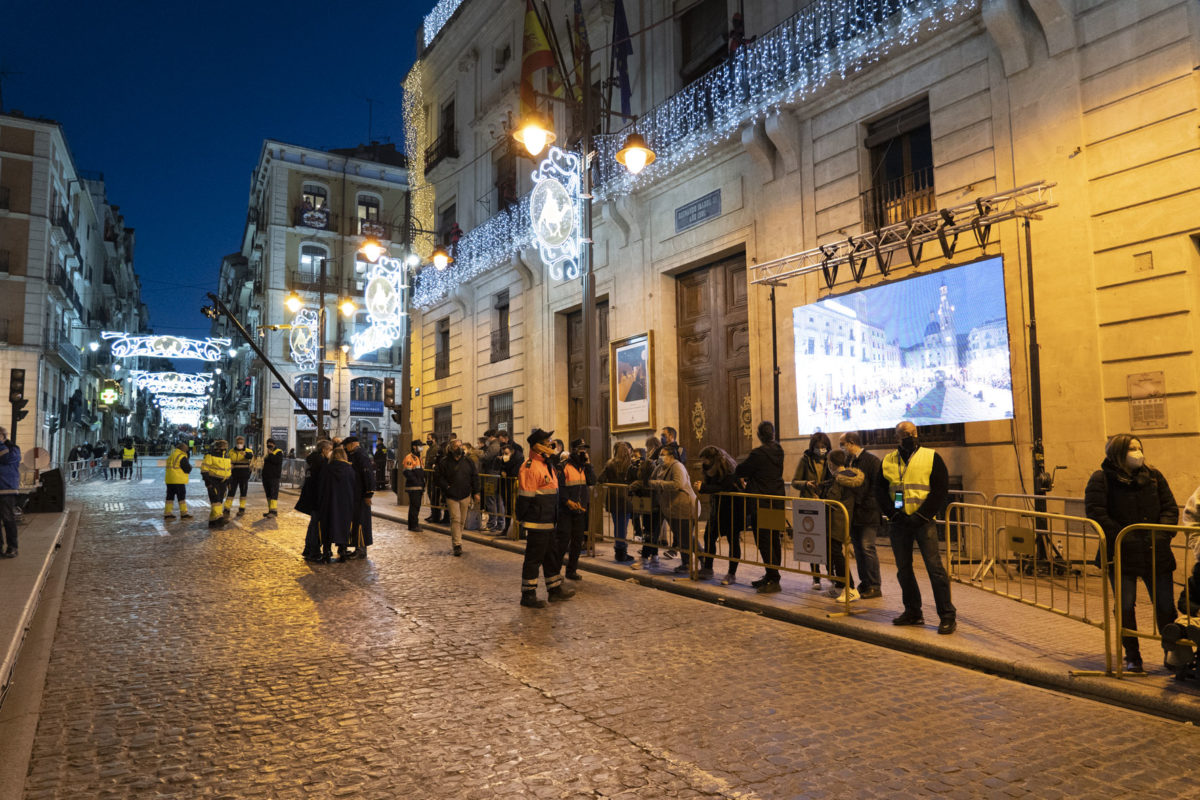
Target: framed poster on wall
{"x":631,"y":383}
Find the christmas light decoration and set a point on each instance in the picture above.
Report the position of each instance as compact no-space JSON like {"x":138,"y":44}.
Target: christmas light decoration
{"x":436,"y":19}
{"x":126,"y":345}
{"x":303,"y":339}
{"x":386,"y":298}
{"x":827,"y":40}
{"x":421,"y":194}
{"x":172,"y":382}
{"x":555,"y":208}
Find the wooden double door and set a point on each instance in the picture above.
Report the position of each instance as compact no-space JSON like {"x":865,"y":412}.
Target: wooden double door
{"x":713,"y":336}
{"x":575,"y":381}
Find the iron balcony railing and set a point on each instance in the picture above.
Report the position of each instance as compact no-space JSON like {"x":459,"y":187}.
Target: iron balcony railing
{"x":898,"y":200}
{"x":67,"y":352}
{"x":445,"y":146}
{"x":62,"y":220}
{"x":499,"y":345}
{"x":60,"y":278}
{"x":319,"y":218}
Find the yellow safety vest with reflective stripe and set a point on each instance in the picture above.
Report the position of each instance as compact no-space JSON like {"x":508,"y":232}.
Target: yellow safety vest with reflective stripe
{"x":911,"y":478}
{"x":128,"y":454}
{"x":175,"y":473}
{"x":216,"y":466}
{"x":240,"y":459}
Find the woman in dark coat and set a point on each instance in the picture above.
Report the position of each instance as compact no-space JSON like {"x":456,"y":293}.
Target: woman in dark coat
{"x":726,"y":515}
{"x":1127,"y":491}
{"x":810,"y":474}
{"x":337,"y":497}
{"x":614,"y":481}
{"x":309,"y":502}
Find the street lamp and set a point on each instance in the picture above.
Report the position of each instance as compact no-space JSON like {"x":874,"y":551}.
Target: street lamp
{"x":535,"y":133}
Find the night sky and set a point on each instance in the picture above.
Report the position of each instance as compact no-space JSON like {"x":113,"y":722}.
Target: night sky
{"x":172,"y":104}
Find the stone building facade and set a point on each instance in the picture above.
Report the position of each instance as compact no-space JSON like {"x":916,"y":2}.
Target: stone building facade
{"x":826,"y":127}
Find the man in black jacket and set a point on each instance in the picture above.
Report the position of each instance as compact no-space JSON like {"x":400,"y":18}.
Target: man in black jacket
{"x":865,"y":516}
{"x":433,"y":455}
{"x":272,"y":471}
{"x":459,"y":481}
{"x":913,"y":489}
{"x":762,"y":473}
{"x":364,"y":479}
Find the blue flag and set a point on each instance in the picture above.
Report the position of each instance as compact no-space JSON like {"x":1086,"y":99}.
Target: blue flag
{"x":622,"y":50}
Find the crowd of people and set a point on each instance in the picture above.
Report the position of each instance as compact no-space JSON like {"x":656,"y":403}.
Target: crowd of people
{"x":116,"y":460}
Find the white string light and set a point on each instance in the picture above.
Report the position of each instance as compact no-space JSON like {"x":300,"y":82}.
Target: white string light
{"x":385,"y":296}
{"x":172,"y":382}
{"x":126,"y":345}
{"x":827,"y":40}
{"x":303,"y":339}
{"x":436,"y":19}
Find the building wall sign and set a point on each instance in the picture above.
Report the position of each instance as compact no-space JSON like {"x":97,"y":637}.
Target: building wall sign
{"x":279,"y":434}
{"x":367,"y":408}
{"x":1147,"y":401}
{"x":699,"y":211}
{"x":554,"y":212}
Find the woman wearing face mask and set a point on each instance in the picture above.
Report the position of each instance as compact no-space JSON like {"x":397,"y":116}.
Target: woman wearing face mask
{"x":810,"y":474}
{"x":1126,"y":491}
{"x":726,"y":515}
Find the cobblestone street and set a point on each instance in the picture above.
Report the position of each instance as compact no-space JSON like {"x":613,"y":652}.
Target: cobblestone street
{"x":195,"y":663}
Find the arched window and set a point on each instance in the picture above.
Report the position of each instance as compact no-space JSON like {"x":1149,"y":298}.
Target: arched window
{"x":366,"y":389}
{"x":306,"y":388}
{"x":368,"y":213}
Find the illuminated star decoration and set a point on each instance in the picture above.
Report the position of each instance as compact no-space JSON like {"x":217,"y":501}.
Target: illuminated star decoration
{"x":554,"y":212}
{"x":386,"y":300}
{"x":172,"y":382}
{"x":303,"y":339}
{"x":126,"y":345}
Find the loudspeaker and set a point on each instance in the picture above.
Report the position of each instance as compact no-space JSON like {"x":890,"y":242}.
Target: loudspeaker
{"x":51,"y":497}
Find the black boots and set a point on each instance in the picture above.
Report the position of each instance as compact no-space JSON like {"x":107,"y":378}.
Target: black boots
{"x":530,"y":600}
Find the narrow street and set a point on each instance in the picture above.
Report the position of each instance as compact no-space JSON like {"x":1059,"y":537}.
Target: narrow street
{"x":197,"y":663}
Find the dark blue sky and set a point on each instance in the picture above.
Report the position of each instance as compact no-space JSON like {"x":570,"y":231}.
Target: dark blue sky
{"x":172,"y":102}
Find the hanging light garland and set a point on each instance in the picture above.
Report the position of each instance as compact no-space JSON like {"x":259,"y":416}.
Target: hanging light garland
{"x":126,"y":345}
{"x":420,"y":193}
{"x":172,"y":382}
{"x":827,"y":40}
{"x":436,"y":19}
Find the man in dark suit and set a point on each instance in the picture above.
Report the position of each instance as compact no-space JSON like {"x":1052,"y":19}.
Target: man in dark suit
{"x":364,"y":475}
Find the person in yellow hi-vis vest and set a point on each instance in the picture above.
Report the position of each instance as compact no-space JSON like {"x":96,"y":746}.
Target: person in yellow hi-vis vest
{"x":215,"y":469}
{"x":917,"y":486}
{"x":128,"y":456}
{"x":178,"y":468}
{"x":239,"y":478}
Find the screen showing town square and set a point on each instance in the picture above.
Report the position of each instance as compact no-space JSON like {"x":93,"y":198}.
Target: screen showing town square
{"x":931,"y":349}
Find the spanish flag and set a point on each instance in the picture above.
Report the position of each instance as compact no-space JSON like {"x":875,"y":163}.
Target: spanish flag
{"x":535,"y":55}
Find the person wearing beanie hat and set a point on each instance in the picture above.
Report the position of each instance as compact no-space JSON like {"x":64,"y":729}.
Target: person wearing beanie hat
{"x":537,"y":513}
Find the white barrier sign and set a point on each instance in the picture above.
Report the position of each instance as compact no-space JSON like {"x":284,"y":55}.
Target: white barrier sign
{"x":810,"y":537}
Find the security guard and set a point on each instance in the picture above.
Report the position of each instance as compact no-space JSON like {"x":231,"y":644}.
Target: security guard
{"x":576,"y":476}
{"x":272,"y":471}
{"x":215,"y":468}
{"x":128,"y":456}
{"x":178,"y":468}
{"x":537,"y":511}
{"x":239,"y":477}
{"x":918,"y":485}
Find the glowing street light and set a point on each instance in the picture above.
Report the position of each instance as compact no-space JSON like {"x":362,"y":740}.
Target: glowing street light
{"x":93,"y":346}
{"x":293,"y":302}
{"x":372,"y":250}
{"x":347,"y":307}
{"x":635,"y":155}
{"x":441,"y":259}
{"x":535,"y":134}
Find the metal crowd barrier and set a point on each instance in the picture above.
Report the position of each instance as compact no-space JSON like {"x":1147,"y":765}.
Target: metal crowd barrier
{"x":87,"y":469}
{"x":1185,"y":562}
{"x":768,"y":519}
{"x":498,"y":499}
{"x":1025,"y":555}
{"x":292,"y":472}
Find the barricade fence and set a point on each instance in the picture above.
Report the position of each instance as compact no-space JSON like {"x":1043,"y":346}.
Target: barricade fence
{"x":97,"y":469}
{"x":1165,"y":564}
{"x":1045,"y":560}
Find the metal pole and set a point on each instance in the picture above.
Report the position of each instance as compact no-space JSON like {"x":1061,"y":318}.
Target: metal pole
{"x":321,"y":354}
{"x":775,"y":361}
{"x":591,"y":354}
{"x":1035,"y":382}
{"x":262,"y":356}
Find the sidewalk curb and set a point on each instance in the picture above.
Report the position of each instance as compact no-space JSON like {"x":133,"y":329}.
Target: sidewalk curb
{"x":1049,"y":675}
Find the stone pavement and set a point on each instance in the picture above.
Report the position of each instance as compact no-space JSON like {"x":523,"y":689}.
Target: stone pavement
{"x":193,"y":663}
{"x":996,"y":634}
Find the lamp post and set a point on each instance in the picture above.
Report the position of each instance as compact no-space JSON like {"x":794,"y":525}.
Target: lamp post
{"x":535,"y":134}
{"x":294,"y":303}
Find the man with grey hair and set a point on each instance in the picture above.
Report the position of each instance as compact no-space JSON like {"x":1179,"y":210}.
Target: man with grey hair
{"x":10,"y":484}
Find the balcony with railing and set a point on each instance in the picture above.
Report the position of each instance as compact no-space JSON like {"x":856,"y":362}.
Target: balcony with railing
{"x":373,"y":228}
{"x":445,"y":146}
{"x":60,"y":348}
{"x":302,"y":280}
{"x":61,"y":280}
{"x":898,"y":200}
{"x":499,"y":345}
{"x":61,"y":219}
{"x":321,"y":219}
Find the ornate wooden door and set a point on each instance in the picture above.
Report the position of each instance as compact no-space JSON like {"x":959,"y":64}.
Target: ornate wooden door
{"x":575,"y":380}
{"x":714,"y":361}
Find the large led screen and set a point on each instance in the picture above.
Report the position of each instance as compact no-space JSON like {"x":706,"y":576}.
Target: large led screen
{"x":931,"y":349}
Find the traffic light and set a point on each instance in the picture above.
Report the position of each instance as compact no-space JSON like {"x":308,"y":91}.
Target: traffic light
{"x":19,"y":411}
{"x":389,"y":392}
{"x":16,"y":385}
{"x":396,"y":418}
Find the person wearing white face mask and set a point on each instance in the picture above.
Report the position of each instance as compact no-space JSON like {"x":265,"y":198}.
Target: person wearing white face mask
{"x":809,"y":475}
{"x":1127,"y":491}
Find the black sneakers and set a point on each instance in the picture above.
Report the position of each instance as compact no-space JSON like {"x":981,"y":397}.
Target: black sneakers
{"x":909,"y":618}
